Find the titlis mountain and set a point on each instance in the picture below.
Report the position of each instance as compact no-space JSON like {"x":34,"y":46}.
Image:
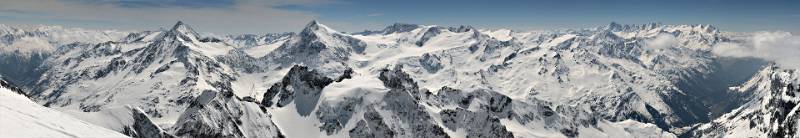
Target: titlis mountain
{"x":406,"y":80}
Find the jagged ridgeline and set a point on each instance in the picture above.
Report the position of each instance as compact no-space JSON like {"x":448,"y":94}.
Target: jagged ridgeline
{"x":405,"y":81}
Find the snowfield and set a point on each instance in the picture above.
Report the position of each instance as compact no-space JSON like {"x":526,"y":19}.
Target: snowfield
{"x":20,"y":117}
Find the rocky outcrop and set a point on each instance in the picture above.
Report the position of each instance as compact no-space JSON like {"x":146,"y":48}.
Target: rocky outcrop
{"x":218,"y":113}
{"x":8,"y":85}
{"x":301,"y":85}
{"x":143,"y":127}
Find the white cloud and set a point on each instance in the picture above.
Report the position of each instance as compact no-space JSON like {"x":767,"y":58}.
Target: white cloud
{"x":661,"y":41}
{"x":257,"y":16}
{"x":783,"y":48}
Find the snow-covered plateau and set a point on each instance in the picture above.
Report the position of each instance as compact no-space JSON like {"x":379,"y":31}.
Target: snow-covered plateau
{"x":407,"y":80}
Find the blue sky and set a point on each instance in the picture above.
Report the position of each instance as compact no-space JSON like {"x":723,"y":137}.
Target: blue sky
{"x":261,"y":16}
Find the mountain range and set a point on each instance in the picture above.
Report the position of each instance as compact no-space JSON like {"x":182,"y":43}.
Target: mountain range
{"x":407,"y":80}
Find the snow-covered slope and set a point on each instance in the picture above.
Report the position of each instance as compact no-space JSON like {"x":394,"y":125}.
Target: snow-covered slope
{"x":130,"y":121}
{"x":21,"y":117}
{"x":612,"y":69}
{"x":396,"y":107}
{"x":160,"y":72}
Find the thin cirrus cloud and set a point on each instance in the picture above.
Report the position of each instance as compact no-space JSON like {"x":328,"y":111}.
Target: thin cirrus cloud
{"x":217,"y":16}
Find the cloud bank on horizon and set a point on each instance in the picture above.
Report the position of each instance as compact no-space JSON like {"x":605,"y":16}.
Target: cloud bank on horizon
{"x":783,"y":48}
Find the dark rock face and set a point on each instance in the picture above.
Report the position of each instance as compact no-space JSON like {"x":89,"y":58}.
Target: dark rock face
{"x":397,"y":79}
{"x":334,"y":118}
{"x":301,"y":86}
{"x":479,"y":113}
{"x":217,"y":113}
{"x":431,"y":32}
{"x":399,"y":28}
{"x":403,"y":101}
{"x":372,"y":126}
{"x":481,"y":122}
{"x":430,"y":62}
{"x":143,"y":127}
{"x":476,"y":124}
{"x":12,"y":87}
{"x":406,"y":108}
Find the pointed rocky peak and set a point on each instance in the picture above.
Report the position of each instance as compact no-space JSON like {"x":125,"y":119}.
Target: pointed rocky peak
{"x":183,"y":30}
{"x":614,"y":26}
{"x":315,"y":27}
{"x":179,"y":26}
{"x":316,"y":37}
{"x":175,"y":42}
{"x":313,"y":23}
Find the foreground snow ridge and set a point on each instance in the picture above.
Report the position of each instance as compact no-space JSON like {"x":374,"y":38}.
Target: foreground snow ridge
{"x":406,"y":80}
{"x":20,"y":117}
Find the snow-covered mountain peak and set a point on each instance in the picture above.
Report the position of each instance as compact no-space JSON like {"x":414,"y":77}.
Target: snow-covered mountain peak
{"x":613,"y":25}
{"x":315,"y":27}
{"x":182,"y":30}
{"x":316,"y":37}
{"x":180,"y":26}
{"x":400,"y":27}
